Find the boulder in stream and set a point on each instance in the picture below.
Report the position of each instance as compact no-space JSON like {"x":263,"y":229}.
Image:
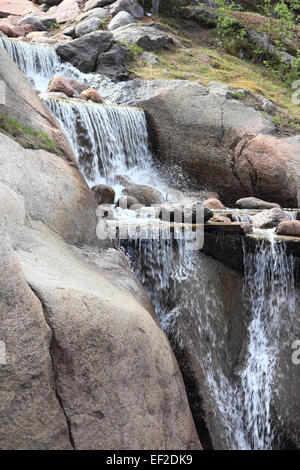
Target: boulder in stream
{"x":255,"y":203}
{"x":289,"y":227}
{"x":60,"y":84}
{"x":269,"y":218}
{"x":146,"y":195}
{"x":214,"y":203}
{"x":104,"y":194}
{"x":92,"y":95}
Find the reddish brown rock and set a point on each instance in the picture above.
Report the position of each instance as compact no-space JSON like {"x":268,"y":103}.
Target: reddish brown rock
{"x":247,"y":228}
{"x":273,"y":160}
{"x":214,"y":203}
{"x":289,"y":227}
{"x":92,"y":95}
{"x":104,"y":194}
{"x":78,"y":87}
{"x":59,"y":84}
{"x":221,"y":219}
{"x":16,"y":7}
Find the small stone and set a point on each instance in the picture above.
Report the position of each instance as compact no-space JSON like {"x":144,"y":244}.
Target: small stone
{"x":289,"y":228}
{"x":103,"y":194}
{"x":61,"y":85}
{"x":92,"y":95}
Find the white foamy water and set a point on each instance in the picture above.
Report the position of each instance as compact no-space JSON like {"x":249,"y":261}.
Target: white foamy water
{"x":107,"y":141}
{"x":270,"y":295}
{"x":39,"y":63}
{"x":242,"y":399}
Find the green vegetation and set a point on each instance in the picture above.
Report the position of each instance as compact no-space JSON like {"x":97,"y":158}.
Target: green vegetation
{"x":53,"y":26}
{"x":102,"y":22}
{"x":221,"y":49}
{"x":26,"y":137}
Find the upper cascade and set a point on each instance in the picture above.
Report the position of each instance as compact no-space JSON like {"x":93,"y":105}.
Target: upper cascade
{"x":38,"y":63}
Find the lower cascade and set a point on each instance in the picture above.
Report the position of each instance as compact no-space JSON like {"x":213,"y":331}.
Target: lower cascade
{"x":177,"y":281}
{"x":237,"y":373}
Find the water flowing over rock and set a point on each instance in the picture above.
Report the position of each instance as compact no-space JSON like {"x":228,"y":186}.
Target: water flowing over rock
{"x":119,"y":138}
{"x":230,"y":346}
{"x":23,"y":104}
{"x":269,"y":218}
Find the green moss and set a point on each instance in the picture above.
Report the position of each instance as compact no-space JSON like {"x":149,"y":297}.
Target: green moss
{"x":27,"y":137}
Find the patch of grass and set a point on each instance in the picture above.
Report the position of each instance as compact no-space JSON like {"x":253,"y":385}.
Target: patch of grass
{"x":27,"y":137}
{"x":205,"y":64}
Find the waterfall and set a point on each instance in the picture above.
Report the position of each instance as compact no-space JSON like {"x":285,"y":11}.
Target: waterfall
{"x":241,"y":397}
{"x":39,"y":62}
{"x":270,"y":294}
{"x":107,"y":140}
{"x":112,"y":140}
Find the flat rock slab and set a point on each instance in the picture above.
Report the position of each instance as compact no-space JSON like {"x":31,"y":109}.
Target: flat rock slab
{"x":68,"y":10}
{"x":145,"y":36}
{"x":15,"y":7}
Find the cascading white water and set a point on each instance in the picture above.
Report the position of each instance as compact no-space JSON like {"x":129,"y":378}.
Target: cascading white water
{"x":113,"y":140}
{"x":107,"y":140}
{"x":39,"y":63}
{"x":270,"y":294}
{"x":241,"y":399}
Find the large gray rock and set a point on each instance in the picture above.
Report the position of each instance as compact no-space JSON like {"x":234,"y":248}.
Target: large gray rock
{"x":31,"y":416}
{"x":110,"y":63}
{"x":131,"y":6}
{"x":83,"y":52}
{"x":87,"y":26}
{"x":146,"y":195}
{"x":269,"y":218}
{"x":255,"y":203}
{"x":23,"y":104}
{"x":39,"y":26}
{"x":101,"y":13}
{"x":82,"y":342}
{"x":121,"y":19}
{"x":91,"y":4}
{"x":54,"y":192}
{"x":145,"y":36}
{"x":219,"y":143}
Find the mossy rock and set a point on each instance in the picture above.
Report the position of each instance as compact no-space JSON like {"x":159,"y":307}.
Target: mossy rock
{"x":27,"y":137}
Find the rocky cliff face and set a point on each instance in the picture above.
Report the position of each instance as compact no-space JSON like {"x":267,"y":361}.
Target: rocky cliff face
{"x":23,"y":104}
{"x":222,"y":145}
{"x":86,"y":365}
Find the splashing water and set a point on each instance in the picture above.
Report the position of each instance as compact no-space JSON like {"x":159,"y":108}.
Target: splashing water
{"x":113,"y":140}
{"x":270,"y":294}
{"x":39,"y":63}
